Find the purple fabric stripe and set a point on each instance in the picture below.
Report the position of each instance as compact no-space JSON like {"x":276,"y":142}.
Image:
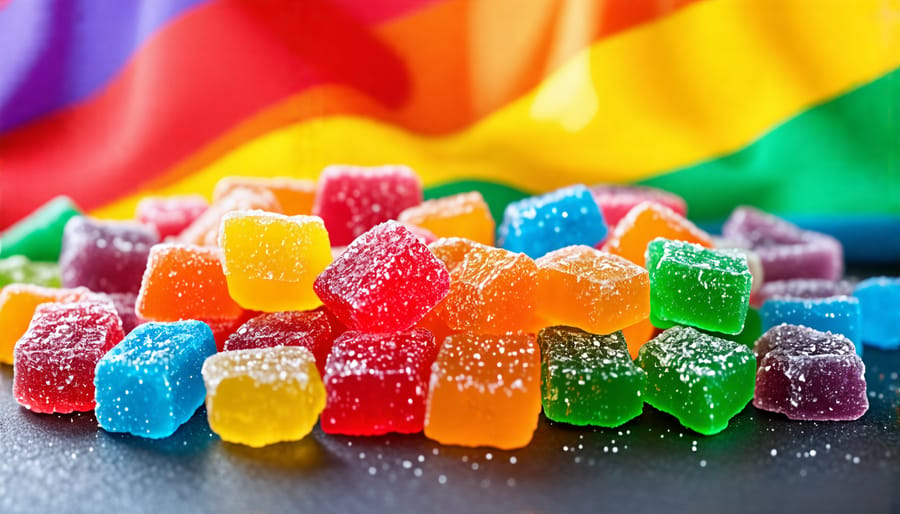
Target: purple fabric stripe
{"x":58,"y":52}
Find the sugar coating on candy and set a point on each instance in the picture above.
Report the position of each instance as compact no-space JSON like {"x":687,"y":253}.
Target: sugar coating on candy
{"x":697,"y":286}
{"x":55,"y":359}
{"x":170,"y":215}
{"x":377,"y":383}
{"x":464,"y":215}
{"x":803,"y":288}
{"x":353,"y":199}
{"x":150,"y":384}
{"x":386,"y":281}
{"x":485,"y":391}
{"x":424,"y":235}
{"x":879,"y":301}
{"x":105,"y":256}
{"x":18,"y":269}
{"x":271,"y":260}
{"x":836,"y":314}
{"x":124,"y":304}
{"x":646,"y":222}
{"x":786,"y":251}
{"x":263,"y":396}
{"x":753,"y":262}
{"x":492,"y":291}
{"x":204,"y":231}
{"x":615,"y":200}
{"x":700,"y":379}
{"x":554,"y":220}
{"x":185,"y":282}
{"x":38,"y":236}
{"x":589,"y":379}
{"x":583,"y":287}
{"x":807,"y":374}
{"x":18,"y":303}
{"x":294,"y":195}
{"x":311,"y":330}
{"x":452,"y":250}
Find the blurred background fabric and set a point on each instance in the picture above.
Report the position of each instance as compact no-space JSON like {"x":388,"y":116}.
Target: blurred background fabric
{"x":789,"y":105}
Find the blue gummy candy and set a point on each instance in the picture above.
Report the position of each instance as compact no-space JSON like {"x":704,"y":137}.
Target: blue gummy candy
{"x":150,"y":383}
{"x":836,"y":314}
{"x":541,"y":224}
{"x":879,"y":299}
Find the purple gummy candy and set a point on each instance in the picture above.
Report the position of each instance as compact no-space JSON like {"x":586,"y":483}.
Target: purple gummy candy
{"x":805,"y":288}
{"x":786,"y":251}
{"x":124,"y":305}
{"x":105,"y":256}
{"x":810,"y":375}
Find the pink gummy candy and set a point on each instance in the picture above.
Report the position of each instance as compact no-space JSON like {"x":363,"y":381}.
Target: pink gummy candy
{"x":170,"y":215}
{"x":615,"y":200}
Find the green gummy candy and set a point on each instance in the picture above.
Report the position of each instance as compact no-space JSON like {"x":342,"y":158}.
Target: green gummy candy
{"x":697,"y":286}
{"x":19,"y":270}
{"x":700,"y":379}
{"x":39,"y":235}
{"x":589,"y":379}
{"x":751,"y":332}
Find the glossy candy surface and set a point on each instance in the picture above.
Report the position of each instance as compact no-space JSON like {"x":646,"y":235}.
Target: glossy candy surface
{"x":464,"y":215}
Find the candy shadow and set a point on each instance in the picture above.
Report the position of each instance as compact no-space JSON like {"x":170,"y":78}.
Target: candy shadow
{"x":191,"y":438}
{"x":304,"y":455}
{"x":72,"y":425}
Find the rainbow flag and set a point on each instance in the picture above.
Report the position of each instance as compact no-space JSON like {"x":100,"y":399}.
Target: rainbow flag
{"x":789,"y":105}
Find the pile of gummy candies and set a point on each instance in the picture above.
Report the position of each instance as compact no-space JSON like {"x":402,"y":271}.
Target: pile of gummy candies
{"x":352,"y":303}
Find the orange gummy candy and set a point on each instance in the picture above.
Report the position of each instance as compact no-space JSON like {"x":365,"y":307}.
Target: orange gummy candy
{"x":204,"y":231}
{"x":485,"y":391}
{"x":294,"y":195}
{"x":18,"y":303}
{"x":644,"y":223}
{"x":452,"y":250}
{"x":185,"y":282}
{"x":464,"y":215}
{"x":638,"y":334}
{"x":598,"y":292}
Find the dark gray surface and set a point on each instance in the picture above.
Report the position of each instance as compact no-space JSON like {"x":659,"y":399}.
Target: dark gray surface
{"x":762,"y":462}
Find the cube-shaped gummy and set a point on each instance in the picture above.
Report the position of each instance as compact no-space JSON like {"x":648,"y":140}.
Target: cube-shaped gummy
{"x":55,"y":359}
{"x":294,"y":195}
{"x":377,"y":383}
{"x":485,"y":391}
{"x":646,"y":222}
{"x":616,"y":200}
{"x":700,"y":379}
{"x":311,"y":330}
{"x":124,"y":304}
{"x":39,"y":235}
{"x":807,"y":374}
{"x":18,"y":269}
{"x":105,"y":256}
{"x":204,"y":230}
{"x":879,"y":300}
{"x":463,"y":215}
{"x":263,"y":396}
{"x":589,"y":379}
{"x":170,"y":215}
{"x":386,"y":281}
{"x":583,"y":287}
{"x":696,"y":286}
{"x":452,"y":250}
{"x":150,"y":383}
{"x":271,"y":260}
{"x":352,"y":199}
{"x":554,"y":220}
{"x":808,"y":288}
{"x":836,"y":314}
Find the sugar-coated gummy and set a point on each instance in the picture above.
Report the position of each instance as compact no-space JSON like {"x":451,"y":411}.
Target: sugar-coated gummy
{"x":170,"y":215}
{"x":809,"y":288}
{"x":18,"y":269}
{"x":464,"y":215}
{"x":646,"y":222}
{"x":807,"y":374}
{"x":124,"y":304}
{"x":151,"y":383}
{"x":377,"y":383}
{"x":263,"y":396}
{"x":615,"y":200}
{"x":294,"y":195}
{"x":589,"y":379}
{"x":541,"y":224}
{"x":56,"y":358}
{"x":38,"y":236}
{"x":879,"y":301}
{"x":837,"y":314}
{"x":204,"y":230}
{"x":700,"y":379}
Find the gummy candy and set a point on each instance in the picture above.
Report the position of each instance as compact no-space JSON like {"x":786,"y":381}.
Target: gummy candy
{"x":836,"y":314}
{"x":463,"y":215}
{"x":263,"y":396}
{"x":809,"y":375}
{"x":803,"y":288}
{"x":615,"y":200}
{"x":352,"y":199}
{"x":170,"y":215}
{"x":294,"y":195}
{"x":55,"y":359}
{"x":696,"y":286}
{"x":485,"y":391}
{"x":596,"y":291}
{"x":105,"y":256}
{"x":271,"y":260}
{"x":452,"y":250}
{"x":554,"y":220}
{"x":124,"y":304}
{"x":646,"y":222}
{"x":18,"y":269}
{"x":386,"y":281}
{"x":39,"y":235}
{"x":638,"y":334}
{"x":753,"y":328}
{"x":204,"y":231}
{"x":150,"y":384}
{"x":589,"y":379}
{"x":311,"y":330}
{"x":377,"y":383}
{"x":700,"y":379}
{"x":879,"y":300}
